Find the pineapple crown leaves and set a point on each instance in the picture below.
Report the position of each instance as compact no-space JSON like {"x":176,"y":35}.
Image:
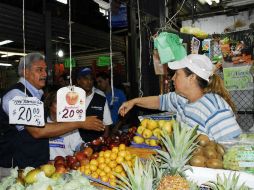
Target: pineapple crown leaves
{"x":141,"y":178}
{"x":179,"y":147}
{"x":227,"y":183}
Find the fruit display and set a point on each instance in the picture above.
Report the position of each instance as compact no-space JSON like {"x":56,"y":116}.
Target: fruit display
{"x":108,"y":164}
{"x":44,"y":178}
{"x":149,"y":132}
{"x":107,"y":143}
{"x":207,"y":154}
{"x":168,"y":169}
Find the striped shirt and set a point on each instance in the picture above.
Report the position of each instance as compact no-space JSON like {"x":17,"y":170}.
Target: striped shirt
{"x":211,"y":112}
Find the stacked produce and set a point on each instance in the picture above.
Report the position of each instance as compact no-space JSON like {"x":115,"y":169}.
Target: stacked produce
{"x":167,"y":170}
{"x":107,"y":143}
{"x":108,"y":164}
{"x":68,"y":163}
{"x":240,"y":157}
{"x":168,"y":167}
{"x":149,"y":131}
{"x":44,"y":178}
{"x":207,"y":154}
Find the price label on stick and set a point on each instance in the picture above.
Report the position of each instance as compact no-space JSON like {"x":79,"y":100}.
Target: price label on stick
{"x":71,"y":104}
{"x":26,"y":111}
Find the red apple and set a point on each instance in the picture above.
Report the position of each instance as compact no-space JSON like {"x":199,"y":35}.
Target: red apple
{"x":57,"y":165}
{"x":80,"y":156}
{"x":59,"y":162}
{"x":61,"y":170}
{"x":96,"y":142}
{"x":75,"y":165}
{"x":88,"y":151}
{"x":70,"y":160}
{"x":95,"y":156}
{"x":72,"y":98}
{"x":59,"y":158}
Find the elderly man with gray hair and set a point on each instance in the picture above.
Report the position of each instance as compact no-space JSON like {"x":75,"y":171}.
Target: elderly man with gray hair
{"x":24,"y":146}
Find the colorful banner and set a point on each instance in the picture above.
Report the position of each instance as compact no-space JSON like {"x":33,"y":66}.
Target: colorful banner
{"x":238,"y":78}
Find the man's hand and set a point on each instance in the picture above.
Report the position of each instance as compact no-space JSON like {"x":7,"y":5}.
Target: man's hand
{"x":125,"y":107}
{"x":93,"y":123}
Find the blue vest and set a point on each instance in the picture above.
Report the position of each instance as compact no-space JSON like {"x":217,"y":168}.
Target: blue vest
{"x":95,"y":108}
{"x":20,"y":145}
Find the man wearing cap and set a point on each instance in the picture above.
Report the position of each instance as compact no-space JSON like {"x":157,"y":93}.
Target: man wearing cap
{"x":24,"y":146}
{"x":200,"y":98}
{"x":96,"y":104}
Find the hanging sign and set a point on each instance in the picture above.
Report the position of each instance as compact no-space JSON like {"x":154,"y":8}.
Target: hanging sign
{"x":103,"y":61}
{"x":238,"y":78}
{"x":71,"y":104}
{"x":68,"y":63}
{"x":26,"y":111}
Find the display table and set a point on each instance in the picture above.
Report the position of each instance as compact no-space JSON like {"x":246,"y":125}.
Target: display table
{"x":199,"y":175}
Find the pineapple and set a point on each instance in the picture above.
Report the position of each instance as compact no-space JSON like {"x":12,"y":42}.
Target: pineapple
{"x":138,"y":178}
{"x":178,"y":148}
{"x":227,"y":183}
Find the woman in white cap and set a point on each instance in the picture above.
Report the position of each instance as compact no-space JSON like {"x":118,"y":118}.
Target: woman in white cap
{"x":200,"y":98}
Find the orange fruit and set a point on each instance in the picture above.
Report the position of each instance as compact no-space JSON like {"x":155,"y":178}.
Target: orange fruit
{"x":118,"y":169}
{"x":119,"y":160}
{"x":94,"y":162}
{"x":111,"y":176}
{"x":101,"y":160}
{"x":112,"y":183}
{"x":102,"y":166}
{"x":87,"y":172}
{"x":101,"y":153}
{"x":95,"y":175}
{"x":107,"y":154}
{"x":107,"y":160}
{"x":107,"y":169}
{"x":112,"y":164}
{"x":113,"y":156}
{"x":122,"y":147}
{"x":104,"y":178}
{"x":128,"y":157}
{"x":115,"y":150}
{"x":87,"y":166}
{"x":122,"y":153}
{"x":102,"y":173}
{"x":93,"y":168}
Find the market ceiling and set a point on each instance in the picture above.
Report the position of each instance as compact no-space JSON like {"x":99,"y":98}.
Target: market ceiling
{"x":90,"y":29}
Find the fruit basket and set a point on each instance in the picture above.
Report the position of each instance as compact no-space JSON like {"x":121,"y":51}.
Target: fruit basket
{"x":149,"y":132}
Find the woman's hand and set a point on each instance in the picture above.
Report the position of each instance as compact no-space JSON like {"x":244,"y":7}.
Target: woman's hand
{"x":125,"y":107}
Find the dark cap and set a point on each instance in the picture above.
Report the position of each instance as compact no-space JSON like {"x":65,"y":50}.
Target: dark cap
{"x":84,"y":72}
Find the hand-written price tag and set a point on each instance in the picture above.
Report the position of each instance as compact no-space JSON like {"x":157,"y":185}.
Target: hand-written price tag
{"x":26,"y":111}
{"x":71,"y":104}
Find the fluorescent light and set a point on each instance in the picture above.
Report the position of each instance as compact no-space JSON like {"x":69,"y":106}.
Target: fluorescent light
{"x":6,"y":64}
{"x":62,"y":1}
{"x":7,"y":55}
{"x":209,"y":2}
{"x":5,"y":42}
{"x":217,"y":1}
{"x":11,"y":53}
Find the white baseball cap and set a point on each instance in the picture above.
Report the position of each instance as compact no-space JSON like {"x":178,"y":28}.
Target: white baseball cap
{"x":198,"y":64}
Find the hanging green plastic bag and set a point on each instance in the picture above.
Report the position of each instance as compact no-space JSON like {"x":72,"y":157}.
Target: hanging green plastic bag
{"x":170,"y":47}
